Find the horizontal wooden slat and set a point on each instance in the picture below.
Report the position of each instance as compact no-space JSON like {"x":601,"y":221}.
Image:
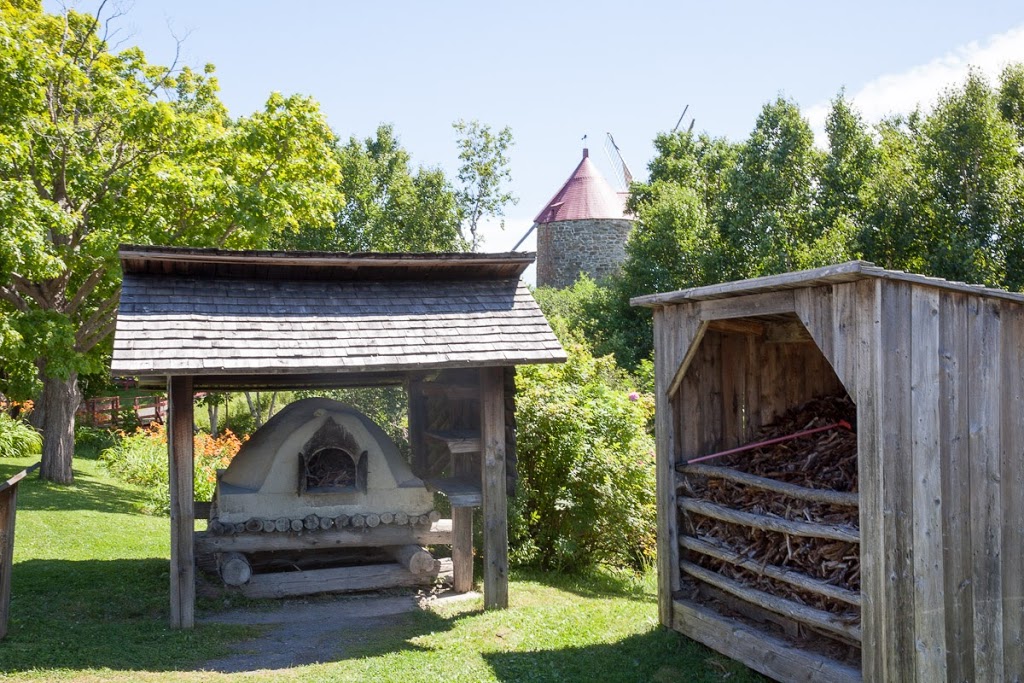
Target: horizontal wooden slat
{"x":787,"y":608}
{"x":458,"y":442}
{"x":827,"y":275}
{"x":826,"y":496}
{"x":711,"y":548}
{"x":461,"y":492}
{"x":772,"y":303}
{"x":765,"y":523}
{"x":19,"y":476}
{"x":760,"y":651}
{"x":439,"y":533}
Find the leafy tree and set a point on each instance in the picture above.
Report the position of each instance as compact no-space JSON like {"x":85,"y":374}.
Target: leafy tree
{"x":969,"y":153}
{"x":771,"y":191}
{"x":586,"y":465}
{"x":482,"y":174}
{"x":945,"y":197}
{"x":847,"y":166}
{"x":676,"y":242}
{"x":386,"y":206}
{"x":98,"y":149}
{"x":1011,"y":97}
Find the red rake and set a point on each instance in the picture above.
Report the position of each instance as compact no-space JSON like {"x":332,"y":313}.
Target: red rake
{"x":842,"y":424}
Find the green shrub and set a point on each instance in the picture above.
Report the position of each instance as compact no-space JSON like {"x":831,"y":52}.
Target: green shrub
{"x":91,"y":441}
{"x":141,"y":459}
{"x":586,"y":463}
{"x":18,"y":439}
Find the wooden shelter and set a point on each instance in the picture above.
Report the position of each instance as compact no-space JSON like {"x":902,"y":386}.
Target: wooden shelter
{"x":450,"y":327}
{"x":935,"y":370}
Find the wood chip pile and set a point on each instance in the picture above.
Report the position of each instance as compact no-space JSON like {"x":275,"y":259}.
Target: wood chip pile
{"x":820,"y":573}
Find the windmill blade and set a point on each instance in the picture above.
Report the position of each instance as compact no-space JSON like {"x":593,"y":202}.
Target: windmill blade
{"x":681,"y":117}
{"x":624,"y":172}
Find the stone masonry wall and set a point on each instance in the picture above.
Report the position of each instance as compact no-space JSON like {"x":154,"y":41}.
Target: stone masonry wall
{"x":594,"y":246}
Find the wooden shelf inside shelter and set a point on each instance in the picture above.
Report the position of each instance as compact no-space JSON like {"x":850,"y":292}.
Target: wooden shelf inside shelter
{"x":462,"y":492}
{"x":458,"y":441}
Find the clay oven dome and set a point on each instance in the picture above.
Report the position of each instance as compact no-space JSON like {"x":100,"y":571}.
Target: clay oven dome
{"x":318,"y":456}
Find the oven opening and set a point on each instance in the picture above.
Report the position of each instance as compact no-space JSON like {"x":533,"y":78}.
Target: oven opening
{"x":329,"y":464}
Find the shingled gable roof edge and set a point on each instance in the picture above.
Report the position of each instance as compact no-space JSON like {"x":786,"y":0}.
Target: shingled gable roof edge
{"x":842,"y":272}
{"x":322,"y":265}
{"x":435,"y":314}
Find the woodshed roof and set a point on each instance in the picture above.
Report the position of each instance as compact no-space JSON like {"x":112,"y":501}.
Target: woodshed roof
{"x":224,"y":313}
{"x":844,"y":272}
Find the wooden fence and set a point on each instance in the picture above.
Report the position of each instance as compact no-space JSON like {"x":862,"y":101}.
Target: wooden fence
{"x":8,"y":506}
{"x":107,"y":411}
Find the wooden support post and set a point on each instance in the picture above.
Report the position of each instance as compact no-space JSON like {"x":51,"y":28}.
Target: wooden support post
{"x":8,"y":506}
{"x":417,"y":425}
{"x":462,"y":531}
{"x":179,"y":445}
{"x":495,"y":502}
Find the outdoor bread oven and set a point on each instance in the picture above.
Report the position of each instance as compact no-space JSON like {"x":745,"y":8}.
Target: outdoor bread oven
{"x":318,"y":457}
{"x":319,"y":500}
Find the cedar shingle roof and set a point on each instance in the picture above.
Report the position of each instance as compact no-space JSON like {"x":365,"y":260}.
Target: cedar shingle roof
{"x":224,"y":324}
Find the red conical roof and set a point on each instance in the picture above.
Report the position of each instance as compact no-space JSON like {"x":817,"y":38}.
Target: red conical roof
{"x":586,"y":194}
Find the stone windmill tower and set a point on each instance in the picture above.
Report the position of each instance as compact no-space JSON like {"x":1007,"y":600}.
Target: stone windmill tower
{"x":583,"y":229}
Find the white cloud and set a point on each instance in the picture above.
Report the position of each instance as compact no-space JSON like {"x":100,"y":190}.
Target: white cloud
{"x":921,"y":85}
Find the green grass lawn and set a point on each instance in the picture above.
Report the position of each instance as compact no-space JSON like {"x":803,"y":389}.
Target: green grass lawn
{"x":90,"y":603}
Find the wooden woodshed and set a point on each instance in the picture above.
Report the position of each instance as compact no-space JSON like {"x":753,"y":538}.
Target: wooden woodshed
{"x":448,"y":327}
{"x":934,"y":369}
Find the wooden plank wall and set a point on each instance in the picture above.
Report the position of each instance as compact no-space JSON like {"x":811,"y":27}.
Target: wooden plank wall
{"x":676,"y":329}
{"x":937,"y":376}
{"x":738,"y":383}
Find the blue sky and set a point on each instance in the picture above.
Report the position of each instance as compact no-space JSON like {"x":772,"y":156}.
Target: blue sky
{"x":556,"y":71}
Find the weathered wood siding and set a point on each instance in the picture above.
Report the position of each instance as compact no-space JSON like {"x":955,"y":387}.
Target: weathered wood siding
{"x":936,"y":373}
{"x":737,"y":383}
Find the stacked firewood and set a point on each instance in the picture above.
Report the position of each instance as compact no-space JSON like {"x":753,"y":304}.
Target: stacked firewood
{"x":826,"y":460}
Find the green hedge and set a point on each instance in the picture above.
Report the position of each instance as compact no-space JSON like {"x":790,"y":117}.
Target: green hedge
{"x":586,"y":463}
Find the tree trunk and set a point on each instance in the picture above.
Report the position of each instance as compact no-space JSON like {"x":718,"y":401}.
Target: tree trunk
{"x":212,"y":410}
{"x":37,"y":417}
{"x":254,"y":408}
{"x":61,"y":398}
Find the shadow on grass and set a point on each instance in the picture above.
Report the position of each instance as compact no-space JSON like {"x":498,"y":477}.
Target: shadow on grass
{"x":86,"y":493}
{"x":92,"y":614}
{"x":660,"y":656}
{"x":95,"y":614}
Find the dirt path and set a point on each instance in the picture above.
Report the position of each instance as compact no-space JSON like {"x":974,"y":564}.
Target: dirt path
{"x":300,"y":632}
